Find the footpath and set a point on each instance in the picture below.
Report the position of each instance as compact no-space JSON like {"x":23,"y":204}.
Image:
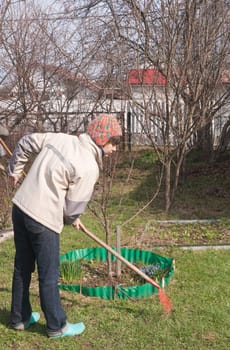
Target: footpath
{"x":8,"y":233}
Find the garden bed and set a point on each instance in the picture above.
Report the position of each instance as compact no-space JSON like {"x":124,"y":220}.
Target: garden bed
{"x":93,"y":279}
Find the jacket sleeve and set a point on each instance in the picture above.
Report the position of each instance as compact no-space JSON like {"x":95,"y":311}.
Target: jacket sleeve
{"x":27,"y":146}
{"x":78,"y":196}
{"x":75,"y":207}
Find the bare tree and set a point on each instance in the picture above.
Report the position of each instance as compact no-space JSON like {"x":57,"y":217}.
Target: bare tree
{"x":46,"y":65}
{"x":187,"y":43}
{"x":23,"y":45}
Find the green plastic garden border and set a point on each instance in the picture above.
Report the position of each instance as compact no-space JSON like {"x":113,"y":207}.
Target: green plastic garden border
{"x":110,"y":292}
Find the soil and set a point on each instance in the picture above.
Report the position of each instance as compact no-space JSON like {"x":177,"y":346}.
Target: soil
{"x":193,"y":236}
{"x":95,"y":274}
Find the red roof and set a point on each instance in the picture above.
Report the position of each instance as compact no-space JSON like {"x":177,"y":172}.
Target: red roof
{"x":146,"y":76}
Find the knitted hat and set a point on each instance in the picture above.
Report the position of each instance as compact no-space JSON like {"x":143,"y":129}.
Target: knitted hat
{"x":102,"y":128}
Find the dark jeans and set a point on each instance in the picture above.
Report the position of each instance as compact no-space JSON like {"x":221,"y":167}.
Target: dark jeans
{"x":36,"y":243}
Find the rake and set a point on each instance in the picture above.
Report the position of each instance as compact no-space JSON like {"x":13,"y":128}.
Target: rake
{"x":164,"y":300}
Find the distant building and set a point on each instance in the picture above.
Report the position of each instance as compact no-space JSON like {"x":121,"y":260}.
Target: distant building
{"x":61,"y":100}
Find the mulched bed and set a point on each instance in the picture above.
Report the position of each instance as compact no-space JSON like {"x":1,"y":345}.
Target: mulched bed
{"x":95,"y":274}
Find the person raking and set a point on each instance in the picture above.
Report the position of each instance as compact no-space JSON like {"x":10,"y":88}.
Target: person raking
{"x":56,"y":190}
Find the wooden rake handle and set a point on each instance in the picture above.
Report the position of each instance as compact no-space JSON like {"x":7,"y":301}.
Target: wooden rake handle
{"x":163,"y":299}
{"x":8,"y":151}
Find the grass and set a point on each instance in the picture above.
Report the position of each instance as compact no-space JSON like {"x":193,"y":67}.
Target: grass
{"x":204,"y":194}
{"x":71,"y":271}
{"x":200,"y":318}
{"x":199,"y":290}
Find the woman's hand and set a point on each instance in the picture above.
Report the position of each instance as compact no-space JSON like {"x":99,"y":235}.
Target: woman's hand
{"x":77,"y":224}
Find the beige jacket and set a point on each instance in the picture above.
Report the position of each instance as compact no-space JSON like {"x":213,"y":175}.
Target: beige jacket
{"x":61,"y":179}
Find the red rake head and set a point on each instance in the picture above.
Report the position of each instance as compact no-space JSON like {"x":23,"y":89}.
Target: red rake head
{"x":165,"y":301}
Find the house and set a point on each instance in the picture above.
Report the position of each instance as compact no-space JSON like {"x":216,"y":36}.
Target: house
{"x":59,"y":99}
{"x":154,"y":101}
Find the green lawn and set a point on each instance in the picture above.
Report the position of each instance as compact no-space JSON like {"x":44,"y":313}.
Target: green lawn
{"x":199,"y":290}
{"x":200,"y":318}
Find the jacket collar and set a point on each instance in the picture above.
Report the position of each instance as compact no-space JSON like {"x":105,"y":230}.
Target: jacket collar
{"x":87,"y":142}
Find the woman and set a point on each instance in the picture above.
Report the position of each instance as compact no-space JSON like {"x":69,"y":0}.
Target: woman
{"x":55,"y":191}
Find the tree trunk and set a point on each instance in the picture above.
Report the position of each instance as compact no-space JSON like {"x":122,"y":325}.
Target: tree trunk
{"x":109,"y":260}
{"x":167,"y":185}
{"x":205,"y":141}
{"x":179,"y":165}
